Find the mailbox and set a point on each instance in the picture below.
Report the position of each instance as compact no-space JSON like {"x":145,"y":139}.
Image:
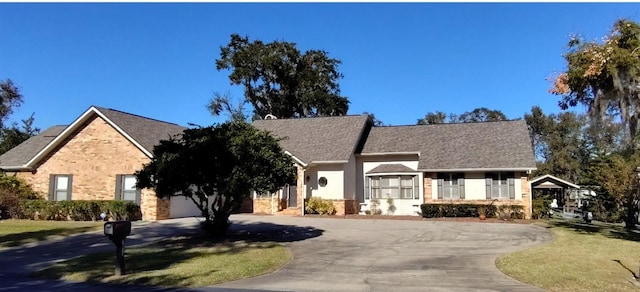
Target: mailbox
{"x":117,"y":229}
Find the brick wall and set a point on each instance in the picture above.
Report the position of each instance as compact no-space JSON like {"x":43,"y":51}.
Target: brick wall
{"x":94,"y":155}
{"x":263,"y":205}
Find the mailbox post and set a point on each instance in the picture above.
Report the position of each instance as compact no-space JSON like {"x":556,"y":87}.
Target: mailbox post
{"x":117,"y":231}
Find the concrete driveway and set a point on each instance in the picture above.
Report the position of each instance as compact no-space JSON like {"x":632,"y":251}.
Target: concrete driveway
{"x":386,"y":255}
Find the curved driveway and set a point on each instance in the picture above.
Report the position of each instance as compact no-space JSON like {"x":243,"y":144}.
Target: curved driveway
{"x":387,"y":255}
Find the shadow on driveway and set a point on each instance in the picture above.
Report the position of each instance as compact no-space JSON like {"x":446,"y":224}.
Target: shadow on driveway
{"x":17,"y":263}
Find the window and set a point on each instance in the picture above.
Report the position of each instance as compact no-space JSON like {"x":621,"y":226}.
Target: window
{"x":126,"y":188}
{"x":60,"y":187}
{"x":450,"y":186}
{"x":403,"y":187}
{"x":500,"y":185}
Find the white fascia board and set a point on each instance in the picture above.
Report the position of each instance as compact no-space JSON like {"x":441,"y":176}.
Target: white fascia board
{"x":390,"y":153}
{"x":476,"y":169}
{"x":296,"y":159}
{"x":330,"y":162}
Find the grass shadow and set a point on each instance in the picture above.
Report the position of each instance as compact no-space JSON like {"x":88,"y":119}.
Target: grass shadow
{"x":609,"y":230}
{"x":17,"y":239}
{"x":627,"y":268}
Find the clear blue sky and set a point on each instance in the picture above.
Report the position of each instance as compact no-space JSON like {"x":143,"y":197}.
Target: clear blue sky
{"x":400,"y":61}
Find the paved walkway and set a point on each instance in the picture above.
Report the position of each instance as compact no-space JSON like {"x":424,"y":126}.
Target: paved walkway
{"x":328,"y":255}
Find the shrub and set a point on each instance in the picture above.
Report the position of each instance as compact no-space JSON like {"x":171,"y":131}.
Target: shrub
{"x":456,"y":210}
{"x":541,"y":207}
{"x":80,"y":210}
{"x":316,"y":205}
{"x":13,"y":191}
{"x":509,"y":212}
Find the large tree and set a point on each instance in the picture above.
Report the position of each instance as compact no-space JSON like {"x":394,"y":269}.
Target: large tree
{"x":10,"y":98}
{"x":217,"y":167}
{"x":481,"y":114}
{"x":280,"y":80}
{"x":558,"y":143}
{"x":605,"y":76}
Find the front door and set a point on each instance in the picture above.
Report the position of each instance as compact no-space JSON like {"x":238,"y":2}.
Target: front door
{"x":292,"y":196}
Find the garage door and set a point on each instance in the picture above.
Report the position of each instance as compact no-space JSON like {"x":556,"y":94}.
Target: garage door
{"x":183,"y":207}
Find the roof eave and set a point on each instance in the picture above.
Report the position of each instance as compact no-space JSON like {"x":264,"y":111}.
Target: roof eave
{"x":390,"y":153}
{"x":16,"y":168}
{"x":296,"y":159}
{"x":527,"y":169}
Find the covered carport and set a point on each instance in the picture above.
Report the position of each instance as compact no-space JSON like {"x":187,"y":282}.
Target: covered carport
{"x":555,"y":188}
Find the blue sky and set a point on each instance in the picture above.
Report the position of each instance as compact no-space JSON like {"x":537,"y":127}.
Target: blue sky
{"x":399,"y":61}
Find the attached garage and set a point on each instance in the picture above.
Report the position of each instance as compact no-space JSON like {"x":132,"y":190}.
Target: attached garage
{"x":180,"y":207}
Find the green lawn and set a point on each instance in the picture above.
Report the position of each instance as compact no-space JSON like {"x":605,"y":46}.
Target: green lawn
{"x":597,"y":257}
{"x":181,"y":262}
{"x":18,"y":232}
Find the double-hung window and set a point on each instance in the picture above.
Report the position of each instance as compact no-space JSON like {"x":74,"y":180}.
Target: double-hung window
{"x":126,"y":188}
{"x":404,"y":187}
{"x":60,"y":187}
{"x":450,"y":186}
{"x":500,"y":185}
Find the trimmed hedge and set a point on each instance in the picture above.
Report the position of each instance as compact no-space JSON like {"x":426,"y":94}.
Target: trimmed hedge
{"x":456,"y":210}
{"x":80,"y":210}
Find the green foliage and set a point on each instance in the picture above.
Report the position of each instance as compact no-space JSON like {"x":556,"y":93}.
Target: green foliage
{"x":509,"y":212}
{"x":317,"y":205}
{"x":616,"y":176}
{"x":217,"y":167}
{"x":10,"y":98}
{"x":12,"y":136}
{"x":280,"y":80}
{"x":13,"y":191}
{"x":391,"y":208}
{"x":457,"y":210}
{"x":541,"y":208}
{"x":79,"y":210}
{"x":481,"y":114}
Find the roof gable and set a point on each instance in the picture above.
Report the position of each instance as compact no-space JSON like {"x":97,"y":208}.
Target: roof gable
{"x":143,"y":132}
{"x":464,"y":146}
{"x":321,"y":139}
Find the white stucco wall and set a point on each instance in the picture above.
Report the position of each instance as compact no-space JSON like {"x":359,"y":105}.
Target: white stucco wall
{"x":475,"y":189}
{"x":335,"y":182}
{"x":350,"y":170}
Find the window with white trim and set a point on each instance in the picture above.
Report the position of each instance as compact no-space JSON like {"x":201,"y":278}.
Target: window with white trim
{"x":126,"y":188}
{"x":402,"y":187}
{"x":60,"y":187}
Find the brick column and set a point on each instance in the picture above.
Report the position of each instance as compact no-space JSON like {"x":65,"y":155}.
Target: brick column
{"x":526,"y":195}
{"x":429,"y":177}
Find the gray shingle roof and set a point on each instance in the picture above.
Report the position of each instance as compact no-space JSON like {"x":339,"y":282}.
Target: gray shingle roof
{"x":317,"y":139}
{"x":22,"y":153}
{"x":146,"y":131}
{"x":489,"y":145}
{"x":390,"y":168}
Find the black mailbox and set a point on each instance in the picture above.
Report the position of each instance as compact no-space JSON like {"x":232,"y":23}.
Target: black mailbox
{"x":117,"y":229}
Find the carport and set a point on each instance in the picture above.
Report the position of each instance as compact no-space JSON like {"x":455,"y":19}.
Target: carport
{"x":556,"y":188}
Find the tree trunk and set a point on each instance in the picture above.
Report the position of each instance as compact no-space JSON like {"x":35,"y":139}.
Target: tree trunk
{"x":217,"y":226}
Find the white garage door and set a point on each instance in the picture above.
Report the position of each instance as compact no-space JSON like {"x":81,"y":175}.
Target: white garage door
{"x":183,"y":207}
